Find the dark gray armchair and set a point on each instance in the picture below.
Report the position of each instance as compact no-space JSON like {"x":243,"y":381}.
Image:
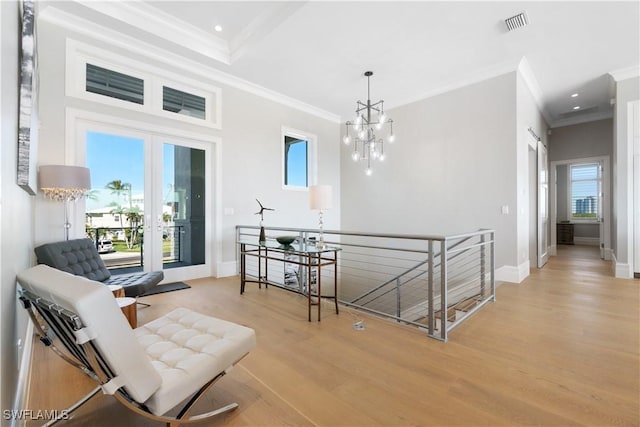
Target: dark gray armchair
{"x":80,"y":257}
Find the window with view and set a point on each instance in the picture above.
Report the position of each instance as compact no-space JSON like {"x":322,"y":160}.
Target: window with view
{"x":296,"y":160}
{"x":585,"y":191}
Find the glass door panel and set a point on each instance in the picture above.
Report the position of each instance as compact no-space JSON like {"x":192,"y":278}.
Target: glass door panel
{"x":184,"y":206}
{"x":115,"y":204}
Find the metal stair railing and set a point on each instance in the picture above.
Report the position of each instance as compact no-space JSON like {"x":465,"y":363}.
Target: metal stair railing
{"x":388,"y":275}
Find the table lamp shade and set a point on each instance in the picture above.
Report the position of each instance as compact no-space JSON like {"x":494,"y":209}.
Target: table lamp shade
{"x":320,"y":197}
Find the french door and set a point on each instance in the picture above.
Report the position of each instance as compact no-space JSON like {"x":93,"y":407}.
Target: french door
{"x":151,"y":197}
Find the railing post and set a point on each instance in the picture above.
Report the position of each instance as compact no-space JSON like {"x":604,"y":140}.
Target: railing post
{"x":443,"y":290}
{"x":493,"y":265}
{"x":398,"y":308}
{"x":432,"y":320}
{"x":238,"y":256}
{"x":482,"y":266}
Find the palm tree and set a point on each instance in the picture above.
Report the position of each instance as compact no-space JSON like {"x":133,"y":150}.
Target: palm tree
{"x":120,"y":211}
{"x":134,"y":216}
{"x":118,"y":188}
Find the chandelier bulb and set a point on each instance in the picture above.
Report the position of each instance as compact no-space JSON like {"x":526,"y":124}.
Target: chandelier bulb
{"x":381,"y":157}
{"x":361,"y":133}
{"x":379,"y":125}
{"x":392,"y":138}
{"x":358,"y":120}
{"x":355,"y":156}
{"x":383,"y":117}
{"x":368,"y":171}
{"x":346,"y":139}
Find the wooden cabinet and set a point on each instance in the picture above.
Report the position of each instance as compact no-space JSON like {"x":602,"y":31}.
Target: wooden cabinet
{"x":564,"y":233}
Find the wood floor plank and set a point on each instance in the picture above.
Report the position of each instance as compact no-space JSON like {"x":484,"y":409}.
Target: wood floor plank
{"x":560,"y":349}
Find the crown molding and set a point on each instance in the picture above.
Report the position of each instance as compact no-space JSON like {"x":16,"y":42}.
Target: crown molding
{"x":260,"y":26}
{"x":154,"y":21}
{"x":529,"y":78}
{"x":592,"y":117}
{"x":145,"y":50}
{"x":625,"y":73}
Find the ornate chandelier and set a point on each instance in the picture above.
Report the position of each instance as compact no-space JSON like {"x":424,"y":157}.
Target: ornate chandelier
{"x":366,"y":146}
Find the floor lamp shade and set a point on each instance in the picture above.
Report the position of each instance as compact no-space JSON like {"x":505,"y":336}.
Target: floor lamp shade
{"x":320,"y":197}
{"x":62,"y":182}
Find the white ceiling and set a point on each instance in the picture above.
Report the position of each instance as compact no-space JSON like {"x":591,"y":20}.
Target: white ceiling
{"x":317,"y":51}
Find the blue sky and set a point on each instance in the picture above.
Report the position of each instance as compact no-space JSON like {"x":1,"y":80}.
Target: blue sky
{"x":297,"y":165}
{"x":112,"y":157}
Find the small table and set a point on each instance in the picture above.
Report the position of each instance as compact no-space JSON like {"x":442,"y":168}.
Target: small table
{"x":310,"y":257}
{"x":129,"y":309}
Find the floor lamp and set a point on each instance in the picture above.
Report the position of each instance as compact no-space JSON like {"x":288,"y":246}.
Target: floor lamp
{"x":320,"y":199}
{"x":64,"y":184}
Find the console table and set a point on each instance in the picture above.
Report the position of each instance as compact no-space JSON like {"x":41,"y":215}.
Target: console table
{"x":308,"y":257}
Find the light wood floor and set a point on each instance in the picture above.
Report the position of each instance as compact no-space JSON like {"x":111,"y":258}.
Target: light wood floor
{"x":559,"y":349}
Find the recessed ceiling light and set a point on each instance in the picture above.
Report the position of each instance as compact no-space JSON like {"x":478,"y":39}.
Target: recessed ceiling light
{"x":573,"y":95}
{"x":577,"y":107}
{"x":218,"y":28}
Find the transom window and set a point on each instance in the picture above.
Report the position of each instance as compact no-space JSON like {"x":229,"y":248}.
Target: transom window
{"x":585,"y":183}
{"x":115,"y":85}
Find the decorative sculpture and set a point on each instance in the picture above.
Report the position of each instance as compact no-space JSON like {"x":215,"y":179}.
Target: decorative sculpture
{"x":262,"y":237}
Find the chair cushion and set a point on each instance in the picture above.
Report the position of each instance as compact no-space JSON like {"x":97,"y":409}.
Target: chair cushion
{"x":97,"y":308}
{"x":77,"y":256}
{"x":189,"y":349}
{"x":136,"y":284}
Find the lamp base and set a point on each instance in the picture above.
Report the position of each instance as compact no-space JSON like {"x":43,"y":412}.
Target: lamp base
{"x":262,"y":238}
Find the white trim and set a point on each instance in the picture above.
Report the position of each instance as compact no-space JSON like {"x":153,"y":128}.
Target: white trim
{"x":78,"y":54}
{"x":588,"y":241}
{"x":75,"y":154}
{"x":145,"y":50}
{"x":513,"y":274}
{"x":606,"y":200}
{"x":476,"y":77}
{"x":625,"y":73}
{"x":530,"y":80}
{"x":582,"y":118}
{"x":622,"y":270}
{"x":227,"y":269}
{"x":163,"y":25}
{"x":312,"y":157}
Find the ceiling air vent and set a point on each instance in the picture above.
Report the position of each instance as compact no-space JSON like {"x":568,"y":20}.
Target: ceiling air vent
{"x":515,"y":22}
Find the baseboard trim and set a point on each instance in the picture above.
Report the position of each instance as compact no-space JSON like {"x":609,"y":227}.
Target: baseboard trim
{"x":24,"y":378}
{"x":227,"y":269}
{"x":513,"y":274}
{"x":622,"y":270}
{"x":589,"y":241}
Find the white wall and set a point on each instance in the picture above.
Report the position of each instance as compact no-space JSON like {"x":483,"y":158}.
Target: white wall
{"x":627,"y":90}
{"x":16,"y":214}
{"x":250,"y":149}
{"x":451,"y":169}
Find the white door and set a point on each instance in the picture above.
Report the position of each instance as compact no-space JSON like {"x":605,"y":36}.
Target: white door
{"x":543,"y":205}
{"x":177,"y":222}
{"x":151,"y":197}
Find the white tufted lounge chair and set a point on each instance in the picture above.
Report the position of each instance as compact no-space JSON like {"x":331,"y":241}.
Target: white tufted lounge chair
{"x":151,"y":369}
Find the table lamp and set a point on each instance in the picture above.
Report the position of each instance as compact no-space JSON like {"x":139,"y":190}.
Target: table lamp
{"x":64,"y":184}
{"x":320,"y":199}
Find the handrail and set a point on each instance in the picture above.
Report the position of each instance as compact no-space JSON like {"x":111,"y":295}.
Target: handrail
{"x":410,"y":282}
